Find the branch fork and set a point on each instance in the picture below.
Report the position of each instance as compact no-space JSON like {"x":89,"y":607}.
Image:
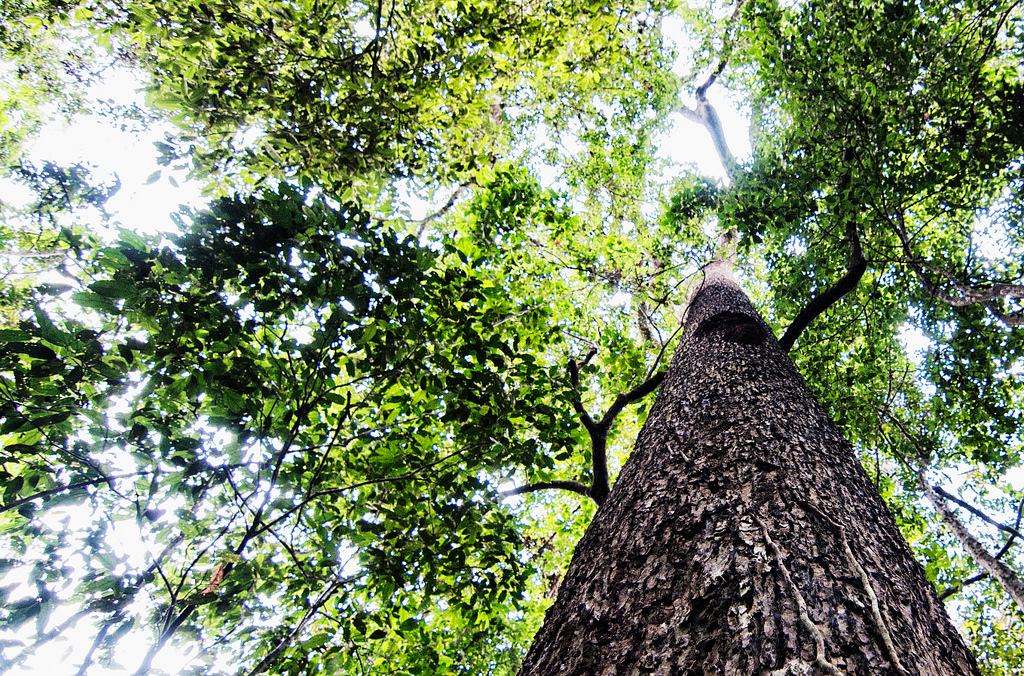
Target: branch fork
{"x":599,"y":487}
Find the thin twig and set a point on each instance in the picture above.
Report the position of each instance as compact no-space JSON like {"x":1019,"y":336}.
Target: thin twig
{"x":272,"y":656}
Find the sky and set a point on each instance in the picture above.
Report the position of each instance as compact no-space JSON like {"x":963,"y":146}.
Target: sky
{"x":131,"y":156}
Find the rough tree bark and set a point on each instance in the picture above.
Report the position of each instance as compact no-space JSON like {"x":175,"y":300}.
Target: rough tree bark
{"x":743,"y":536}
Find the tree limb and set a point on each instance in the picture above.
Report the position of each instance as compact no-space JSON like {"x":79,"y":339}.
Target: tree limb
{"x":977,"y":512}
{"x":855,"y":269}
{"x":959,"y":587}
{"x":1005,"y":575}
{"x":1011,"y":319}
{"x":49,"y":253}
{"x":962,"y":294}
{"x":705,"y":115}
{"x":571,"y":486}
{"x":999,"y":555}
{"x":600,"y":486}
{"x":97,"y":641}
{"x":965,"y":294}
{"x":70,"y":487}
{"x":637,"y":393}
{"x":858,"y":264}
{"x":577,"y":404}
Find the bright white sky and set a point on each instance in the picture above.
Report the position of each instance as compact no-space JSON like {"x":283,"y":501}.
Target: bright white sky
{"x":132,"y":157}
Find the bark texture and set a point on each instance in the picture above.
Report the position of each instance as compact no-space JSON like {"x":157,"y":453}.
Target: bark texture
{"x":743,"y":536}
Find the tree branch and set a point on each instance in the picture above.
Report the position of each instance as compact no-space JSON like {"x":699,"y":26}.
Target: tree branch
{"x":577,"y":403}
{"x":1005,"y":575}
{"x":1011,"y":319}
{"x":855,"y":268}
{"x":637,"y":393}
{"x":97,"y":641}
{"x":999,"y":555}
{"x":600,"y":487}
{"x":858,"y":264}
{"x":571,"y":486}
{"x":977,"y":512}
{"x":70,"y":487}
{"x":272,"y":656}
{"x":430,"y":218}
{"x":705,"y":115}
{"x":49,"y":253}
{"x":963,"y":294}
{"x":959,"y":587}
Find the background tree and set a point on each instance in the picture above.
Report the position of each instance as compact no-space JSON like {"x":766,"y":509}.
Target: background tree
{"x":310,"y":432}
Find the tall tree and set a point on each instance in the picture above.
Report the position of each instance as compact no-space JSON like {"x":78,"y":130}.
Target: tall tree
{"x":743,"y":536}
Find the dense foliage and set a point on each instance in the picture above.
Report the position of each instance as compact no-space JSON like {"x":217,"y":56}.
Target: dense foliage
{"x":309,"y":433}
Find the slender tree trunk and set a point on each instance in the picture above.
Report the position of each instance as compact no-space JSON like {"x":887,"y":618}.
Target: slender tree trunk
{"x":743,"y":536}
{"x":1000,"y":572}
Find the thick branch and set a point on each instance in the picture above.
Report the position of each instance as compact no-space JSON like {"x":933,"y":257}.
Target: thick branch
{"x":599,"y":438}
{"x":571,"y":486}
{"x":1002,"y":573}
{"x":999,"y":555}
{"x":623,"y":400}
{"x":963,"y":294}
{"x":600,"y":486}
{"x":1011,"y":319}
{"x":704,"y":114}
{"x":858,"y":264}
{"x":854,"y":269}
{"x":577,"y":403}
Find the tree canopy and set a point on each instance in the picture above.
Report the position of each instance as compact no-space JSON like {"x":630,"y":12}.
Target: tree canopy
{"x":311,"y":431}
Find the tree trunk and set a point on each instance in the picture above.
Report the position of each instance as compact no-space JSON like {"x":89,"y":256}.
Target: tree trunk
{"x":743,"y":536}
{"x":999,"y":571}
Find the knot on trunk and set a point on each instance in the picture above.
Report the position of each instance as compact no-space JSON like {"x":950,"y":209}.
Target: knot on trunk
{"x":732,"y":327}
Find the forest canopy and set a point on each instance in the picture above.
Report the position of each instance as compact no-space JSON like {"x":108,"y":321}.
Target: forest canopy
{"x":317,"y":428}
